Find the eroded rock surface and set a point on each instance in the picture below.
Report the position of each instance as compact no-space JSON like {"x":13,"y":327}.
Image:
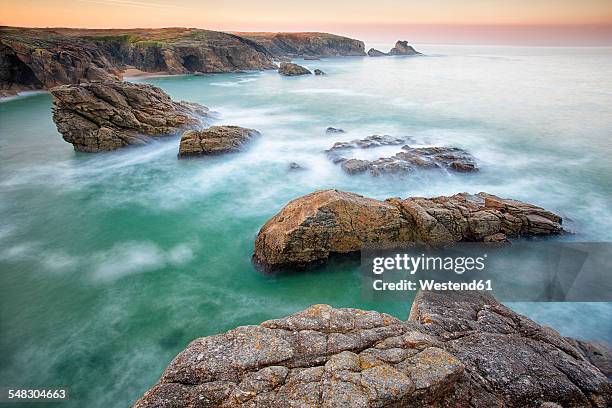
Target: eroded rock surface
{"x":214,"y":140}
{"x":108,"y":115}
{"x":291,"y":69}
{"x":457,"y":350}
{"x":406,"y":161}
{"x":312,"y":227}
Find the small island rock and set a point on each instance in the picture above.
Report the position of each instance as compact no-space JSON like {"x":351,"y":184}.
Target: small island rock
{"x":373,"y":52}
{"x":312,"y":227}
{"x":214,"y":140}
{"x":291,"y":69}
{"x":99,"y":116}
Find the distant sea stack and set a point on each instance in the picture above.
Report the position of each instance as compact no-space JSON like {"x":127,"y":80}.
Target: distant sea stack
{"x":36,"y":58}
{"x":400,"y":48}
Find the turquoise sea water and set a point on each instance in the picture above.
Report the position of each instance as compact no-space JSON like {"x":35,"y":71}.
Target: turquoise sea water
{"x":112,"y":263}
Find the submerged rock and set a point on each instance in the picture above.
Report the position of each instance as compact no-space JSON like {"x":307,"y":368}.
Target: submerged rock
{"x":101,"y":116}
{"x":373,"y":52}
{"x":214,"y":140}
{"x":295,"y":166}
{"x":311,"y":58}
{"x":402,"y":48}
{"x":313,"y":227}
{"x":365,"y":143}
{"x":319,"y":72}
{"x":406,"y":161}
{"x":334,"y":130}
{"x":290,"y":69}
{"x":458,"y":349}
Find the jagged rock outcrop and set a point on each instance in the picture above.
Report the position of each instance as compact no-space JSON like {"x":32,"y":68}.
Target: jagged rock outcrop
{"x":313,"y":227}
{"x":214,"y":140}
{"x":402,"y":48}
{"x":457,"y":350}
{"x":406,"y":161}
{"x":373,"y":52}
{"x":101,"y":116}
{"x":306,"y":44}
{"x":290,"y":69}
{"x":37,"y":58}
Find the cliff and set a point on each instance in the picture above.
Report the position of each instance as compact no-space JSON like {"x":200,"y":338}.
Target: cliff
{"x":306,"y":44}
{"x":36,"y":58}
{"x":458,"y":349}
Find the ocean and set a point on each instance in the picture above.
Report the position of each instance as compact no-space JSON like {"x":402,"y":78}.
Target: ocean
{"x":111,"y":263}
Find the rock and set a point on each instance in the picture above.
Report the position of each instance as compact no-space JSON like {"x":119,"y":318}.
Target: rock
{"x":319,"y":72}
{"x":214,"y":140}
{"x":295,"y":166}
{"x":100,"y":116}
{"x":312,"y":228}
{"x":598,"y":353}
{"x":306,"y":44}
{"x":365,"y":143}
{"x":514,"y":361}
{"x":402,"y":48}
{"x":406,"y":161}
{"x":311,"y":58}
{"x":373,"y":52}
{"x":348,"y":357}
{"x":290,"y":69}
{"x":333,"y":130}
{"x":355,"y":166}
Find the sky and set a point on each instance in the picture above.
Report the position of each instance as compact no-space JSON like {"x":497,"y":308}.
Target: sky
{"x":557,"y":22}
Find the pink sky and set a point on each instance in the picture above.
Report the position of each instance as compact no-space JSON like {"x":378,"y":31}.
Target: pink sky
{"x":537,"y":22}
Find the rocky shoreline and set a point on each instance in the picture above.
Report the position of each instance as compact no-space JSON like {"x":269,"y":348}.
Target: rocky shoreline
{"x":37,"y":58}
{"x":457,"y":349}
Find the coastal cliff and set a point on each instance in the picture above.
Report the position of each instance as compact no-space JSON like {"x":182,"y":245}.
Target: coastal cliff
{"x":306,"y":44}
{"x":35,"y":58}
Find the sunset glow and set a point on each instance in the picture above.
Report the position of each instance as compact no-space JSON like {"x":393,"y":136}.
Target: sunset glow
{"x":495,"y":21}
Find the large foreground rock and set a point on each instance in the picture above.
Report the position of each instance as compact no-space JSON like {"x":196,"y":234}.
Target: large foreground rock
{"x":290,"y":69}
{"x":457,"y":350}
{"x":101,"y":116}
{"x":313,"y":227}
{"x":214,"y":140}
